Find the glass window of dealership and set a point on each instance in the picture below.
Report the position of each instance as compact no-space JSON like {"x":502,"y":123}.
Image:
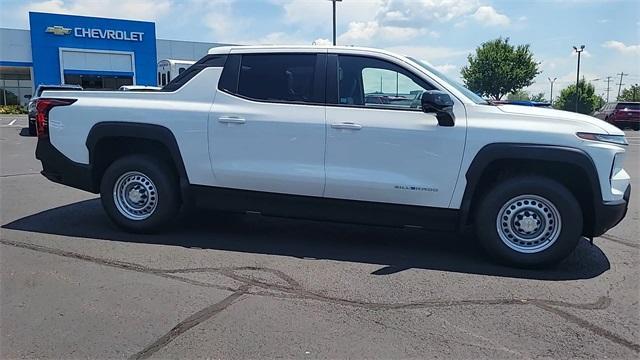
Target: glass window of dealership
{"x":96,"y":53}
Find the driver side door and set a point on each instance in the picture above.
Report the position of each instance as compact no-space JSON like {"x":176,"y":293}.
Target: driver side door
{"x":381,"y":146}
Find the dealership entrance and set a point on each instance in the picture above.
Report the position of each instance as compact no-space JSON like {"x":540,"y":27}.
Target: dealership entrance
{"x":97,"y":69}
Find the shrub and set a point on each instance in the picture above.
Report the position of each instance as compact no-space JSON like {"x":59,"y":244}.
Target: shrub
{"x":12,"y":109}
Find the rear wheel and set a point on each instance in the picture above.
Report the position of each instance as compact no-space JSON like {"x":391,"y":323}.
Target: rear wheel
{"x":529,"y":221}
{"x":140,"y":193}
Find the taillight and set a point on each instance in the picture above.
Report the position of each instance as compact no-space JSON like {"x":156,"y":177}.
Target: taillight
{"x":43,"y":106}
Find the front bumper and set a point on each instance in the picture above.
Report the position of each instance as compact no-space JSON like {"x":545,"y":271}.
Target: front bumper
{"x":60,"y":169}
{"x":609,"y":214}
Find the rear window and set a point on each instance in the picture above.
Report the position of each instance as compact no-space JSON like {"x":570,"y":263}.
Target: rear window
{"x":278,"y":77}
{"x":630,"y":106}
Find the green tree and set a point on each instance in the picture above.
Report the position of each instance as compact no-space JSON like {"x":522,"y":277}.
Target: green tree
{"x":518,"y":95}
{"x":499,"y":68}
{"x":588,"y":101}
{"x":630,"y":94}
{"x":539,"y":97}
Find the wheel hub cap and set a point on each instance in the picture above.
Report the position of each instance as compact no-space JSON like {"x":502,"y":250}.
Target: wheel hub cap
{"x":528,"y":223}
{"x":134,"y":195}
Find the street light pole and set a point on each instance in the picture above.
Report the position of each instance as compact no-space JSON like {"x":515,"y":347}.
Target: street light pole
{"x":579,"y":51}
{"x":551,"y":97}
{"x":334,"y":20}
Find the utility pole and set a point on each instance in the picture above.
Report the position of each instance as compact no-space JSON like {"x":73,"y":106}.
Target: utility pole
{"x":620,"y":83}
{"x":334,"y":20}
{"x":551,"y":96}
{"x":608,"y":87}
{"x":634,"y":88}
{"x":579,"y":51}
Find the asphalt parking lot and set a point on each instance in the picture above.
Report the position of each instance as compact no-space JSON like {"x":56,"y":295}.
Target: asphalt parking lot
{"x":245,"y":286}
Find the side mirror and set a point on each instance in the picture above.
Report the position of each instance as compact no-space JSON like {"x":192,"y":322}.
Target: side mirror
{"x":439,"y":102}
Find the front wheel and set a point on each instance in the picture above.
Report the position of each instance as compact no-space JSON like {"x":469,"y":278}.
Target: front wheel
{"x":140,"y":193}
{"x":529,"y":221}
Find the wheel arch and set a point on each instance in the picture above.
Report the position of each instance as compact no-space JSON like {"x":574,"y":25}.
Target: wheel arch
{"x":121,"y":138}
{"x":573,"y":167}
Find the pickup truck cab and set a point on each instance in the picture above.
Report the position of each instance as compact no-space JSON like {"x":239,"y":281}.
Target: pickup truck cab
{"x":333,"y":133}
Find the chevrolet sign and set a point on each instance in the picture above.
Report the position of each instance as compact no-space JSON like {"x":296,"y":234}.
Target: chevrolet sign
{"x":90,"y":33}
{"x":58,"y":30}
{"x":108,"y":34}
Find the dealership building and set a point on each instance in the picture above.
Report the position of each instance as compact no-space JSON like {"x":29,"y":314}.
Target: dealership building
{"x":96,"y":53}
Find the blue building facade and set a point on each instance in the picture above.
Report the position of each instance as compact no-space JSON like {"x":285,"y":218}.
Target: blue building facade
{"x":96,"y":53}
{"x":93,"y":52}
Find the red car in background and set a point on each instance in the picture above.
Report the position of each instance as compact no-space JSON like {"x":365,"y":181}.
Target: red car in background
{"x":621,"y":114}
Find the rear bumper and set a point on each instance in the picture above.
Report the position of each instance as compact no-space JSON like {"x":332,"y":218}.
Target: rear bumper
{"x":60,"y":169}
{"x":609,"y":214}
{"x":625,"y":122}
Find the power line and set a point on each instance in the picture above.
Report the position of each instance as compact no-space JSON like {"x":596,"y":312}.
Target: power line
{"x":620,"y":83}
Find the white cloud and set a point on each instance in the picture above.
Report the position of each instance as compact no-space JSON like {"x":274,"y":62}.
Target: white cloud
{"x":322,"y":41}
{"x":131,"y":9}
{"x":315,"y":13}
{"x":622,"y":48}
{"x":488,"y":16}
{"x":363,"y":33}
{"x":423,"y":13}
{"x":430,"y":53}
{"x":402,"y":20}
{"x":446,"y":68}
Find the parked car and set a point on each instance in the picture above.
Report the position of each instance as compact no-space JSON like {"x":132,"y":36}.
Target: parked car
{"x":287,"y":131}
{"x":623,"y":114}
{"x":31,"y":106}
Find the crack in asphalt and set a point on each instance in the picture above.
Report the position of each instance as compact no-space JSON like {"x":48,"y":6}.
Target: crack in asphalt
{"x":291,"y":289}
{"x":22,"y":174}
{"x":589,"y":326}
{"x":190,"y":322}
{"x":620,"y":241}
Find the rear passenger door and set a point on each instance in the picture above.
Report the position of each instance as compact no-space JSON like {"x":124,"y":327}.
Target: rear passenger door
{"x":267,"y":123}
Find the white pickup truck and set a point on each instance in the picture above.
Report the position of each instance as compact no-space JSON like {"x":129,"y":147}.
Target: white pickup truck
{"x":345,"y":134}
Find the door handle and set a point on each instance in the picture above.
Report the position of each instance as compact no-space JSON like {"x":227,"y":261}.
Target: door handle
{"x":231,"y":120}
{"x":347,"y":125}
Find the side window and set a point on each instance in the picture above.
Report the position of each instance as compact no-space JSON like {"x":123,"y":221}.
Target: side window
{"x":279,"y":77}
{"x":371,"y":82}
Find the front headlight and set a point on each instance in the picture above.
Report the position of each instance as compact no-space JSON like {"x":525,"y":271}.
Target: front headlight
{"x":614,"y":139}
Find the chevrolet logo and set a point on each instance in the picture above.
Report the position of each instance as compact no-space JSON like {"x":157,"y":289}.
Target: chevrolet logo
{"x":58,"y":30}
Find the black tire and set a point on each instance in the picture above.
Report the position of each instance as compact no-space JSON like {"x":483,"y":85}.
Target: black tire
{"x":163,"y":189}
{"x":32,"y":128}
{"x":502,"y":193}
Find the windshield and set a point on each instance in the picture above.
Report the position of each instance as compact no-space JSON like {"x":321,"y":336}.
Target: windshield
{"x":466,"y":92}
{"x":629,"y":106}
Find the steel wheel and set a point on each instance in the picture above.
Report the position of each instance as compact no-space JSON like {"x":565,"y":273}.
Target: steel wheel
{"x":135,"y":195}
{"x":529,"y":224}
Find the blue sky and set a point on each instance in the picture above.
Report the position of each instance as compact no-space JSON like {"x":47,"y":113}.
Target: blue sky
{"x":440,"y":31}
